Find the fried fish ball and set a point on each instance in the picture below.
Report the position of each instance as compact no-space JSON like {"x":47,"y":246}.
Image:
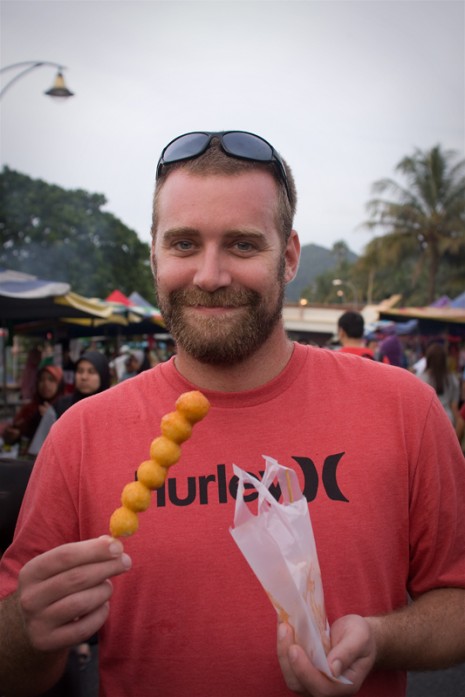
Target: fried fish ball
{"x":193,"y":405}
{"x":151,"y":474}
{"x":123,"y":522}
{"x":136,"y":496}
{"x":176,"y":427}
{"x":164,"y":451}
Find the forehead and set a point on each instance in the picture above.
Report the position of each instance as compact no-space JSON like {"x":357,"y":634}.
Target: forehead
{"x":86,"y":365}
{"x":250,"y":196}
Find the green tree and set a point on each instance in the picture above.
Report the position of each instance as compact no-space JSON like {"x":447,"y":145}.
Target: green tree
{"x":423,"y":220}
{"x":66,"y":236}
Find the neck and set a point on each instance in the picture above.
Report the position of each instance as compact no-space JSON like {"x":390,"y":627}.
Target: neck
{"x":261,"y":367}
{"x":352,"y":342}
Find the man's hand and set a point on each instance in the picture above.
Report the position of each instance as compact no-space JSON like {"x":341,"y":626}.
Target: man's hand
{"x":352,"y":654}
{"x":63,"y":594}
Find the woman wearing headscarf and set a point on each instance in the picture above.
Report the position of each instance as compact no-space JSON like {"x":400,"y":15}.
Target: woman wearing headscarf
{"x":92,"y":375}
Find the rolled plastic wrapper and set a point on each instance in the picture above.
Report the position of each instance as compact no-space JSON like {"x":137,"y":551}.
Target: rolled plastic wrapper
{"x":279,"y":545}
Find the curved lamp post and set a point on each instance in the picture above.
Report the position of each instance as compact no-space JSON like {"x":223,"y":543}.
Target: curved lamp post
{"x":58,"y":89}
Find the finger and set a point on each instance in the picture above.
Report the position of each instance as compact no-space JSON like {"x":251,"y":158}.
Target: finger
{"x":37,"y":595}
{"x":73,"y":633}
{"x":69,"y":618}
{"x":352,"y":645}
{"x":285,"y":641}
{"x":71,"y":608}
{"x":73,"y":554}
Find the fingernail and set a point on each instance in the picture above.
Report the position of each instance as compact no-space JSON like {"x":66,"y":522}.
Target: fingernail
{"x":336,"y":667}
{"x":126,"y":560}
{"x":282,"y":631}
{"x":293,"y":653}
{"x":115,"y":548}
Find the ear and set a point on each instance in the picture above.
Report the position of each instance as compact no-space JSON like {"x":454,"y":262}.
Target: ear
{"x":153,"y":264}
{"x":292,"y":256}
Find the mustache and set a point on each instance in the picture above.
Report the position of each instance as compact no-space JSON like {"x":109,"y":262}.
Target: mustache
{"x":223,"y":297}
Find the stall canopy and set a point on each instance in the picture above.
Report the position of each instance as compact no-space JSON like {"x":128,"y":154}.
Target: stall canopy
{"x":30,"y":305}
{"x":26,"y":298}
{"x":444,"y":314}
{"x":136,"y":310}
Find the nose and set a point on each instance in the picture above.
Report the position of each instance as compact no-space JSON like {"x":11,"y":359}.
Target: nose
{"x":212,"y":270}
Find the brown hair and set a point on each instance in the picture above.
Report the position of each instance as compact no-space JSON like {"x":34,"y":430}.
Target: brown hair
{"x":215,"y":161}
{"x":436,"y":365}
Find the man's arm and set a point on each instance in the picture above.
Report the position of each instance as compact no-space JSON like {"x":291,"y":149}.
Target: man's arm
{"x":62,"y":599}
{"x":426,"y":635}
{"x":429,"y":634}
{"x":24,"y":670}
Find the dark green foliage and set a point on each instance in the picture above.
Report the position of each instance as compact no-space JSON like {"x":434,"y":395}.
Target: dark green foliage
{"x":66,"y":236}
{"x":423,"y":248}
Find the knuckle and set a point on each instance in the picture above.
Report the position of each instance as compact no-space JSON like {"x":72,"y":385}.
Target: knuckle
{"x":77,"y":578}
{"x":28,"y":602}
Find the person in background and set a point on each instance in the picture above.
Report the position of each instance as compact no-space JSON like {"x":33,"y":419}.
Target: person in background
{"x":148,"y":360}
{"x":438,"y":375}
{"x":350,"y":327}
{"x":92,"y":375}
{"x":392,"y":349}
{"x":177,"y":608}
{"x":460,"y":426}
{"x":133,"y":365}
{"x":29,"y":375}
{"x":49,"y":388}
{"x":69,"y":368}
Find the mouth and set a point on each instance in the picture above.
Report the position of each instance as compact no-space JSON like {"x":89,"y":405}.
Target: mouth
{"x":214,"y":310}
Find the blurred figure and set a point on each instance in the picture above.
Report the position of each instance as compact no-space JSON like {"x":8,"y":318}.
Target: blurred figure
{"x":29,"y":376}
{"x":92,"y":375}
{"x":133,"y":364}
{"x":351,"y":326}
{"x":118,"y":364}
{"x":460,"y":426}
{"x":392,"y":349}
{"x":69,"y":368}
{"x":438,"y":375}
{"x":49,"y":387}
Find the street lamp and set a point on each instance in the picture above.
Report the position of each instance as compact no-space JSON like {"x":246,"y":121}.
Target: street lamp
{"x":340,"y":293}
{"x":58,"y":89}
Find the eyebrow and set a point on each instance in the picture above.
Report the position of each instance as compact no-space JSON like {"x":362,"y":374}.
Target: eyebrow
{"x":193,"y":232}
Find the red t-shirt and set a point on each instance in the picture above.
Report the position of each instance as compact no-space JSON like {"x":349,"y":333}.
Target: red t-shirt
{"x":377,"y":460}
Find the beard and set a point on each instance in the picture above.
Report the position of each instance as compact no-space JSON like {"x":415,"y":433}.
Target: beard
{"x":219,"y":340}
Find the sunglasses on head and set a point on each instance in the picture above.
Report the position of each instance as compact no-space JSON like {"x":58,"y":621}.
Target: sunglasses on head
{"x":240,"y":144}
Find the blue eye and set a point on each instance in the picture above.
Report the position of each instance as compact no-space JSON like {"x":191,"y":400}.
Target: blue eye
{"x":183,"y":245}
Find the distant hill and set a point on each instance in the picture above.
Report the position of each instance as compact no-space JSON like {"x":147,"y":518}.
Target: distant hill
{"x":314,"y":260}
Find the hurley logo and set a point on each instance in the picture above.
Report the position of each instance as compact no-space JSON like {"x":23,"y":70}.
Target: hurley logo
{"x":218,"y":487}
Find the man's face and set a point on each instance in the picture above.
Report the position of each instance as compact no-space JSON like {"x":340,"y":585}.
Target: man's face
{"x":219,"y":264}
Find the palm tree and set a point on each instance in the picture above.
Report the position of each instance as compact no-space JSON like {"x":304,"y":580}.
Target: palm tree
{"x":425,"y":220}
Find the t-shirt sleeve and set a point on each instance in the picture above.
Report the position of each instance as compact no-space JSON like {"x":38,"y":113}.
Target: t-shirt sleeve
{"x":437,"y":507}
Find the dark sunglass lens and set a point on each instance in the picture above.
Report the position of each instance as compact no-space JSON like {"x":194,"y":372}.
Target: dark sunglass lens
{"x":248,"y":146}
{"x":188,"y":145}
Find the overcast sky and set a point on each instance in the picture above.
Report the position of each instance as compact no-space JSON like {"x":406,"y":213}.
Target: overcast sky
{"x":343,"y":89}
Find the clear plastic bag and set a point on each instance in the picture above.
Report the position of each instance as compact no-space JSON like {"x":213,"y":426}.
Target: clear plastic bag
{"x":279,"y":545}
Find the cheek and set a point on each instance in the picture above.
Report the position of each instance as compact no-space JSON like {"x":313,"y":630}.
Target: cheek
{"x":171,"y":274}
